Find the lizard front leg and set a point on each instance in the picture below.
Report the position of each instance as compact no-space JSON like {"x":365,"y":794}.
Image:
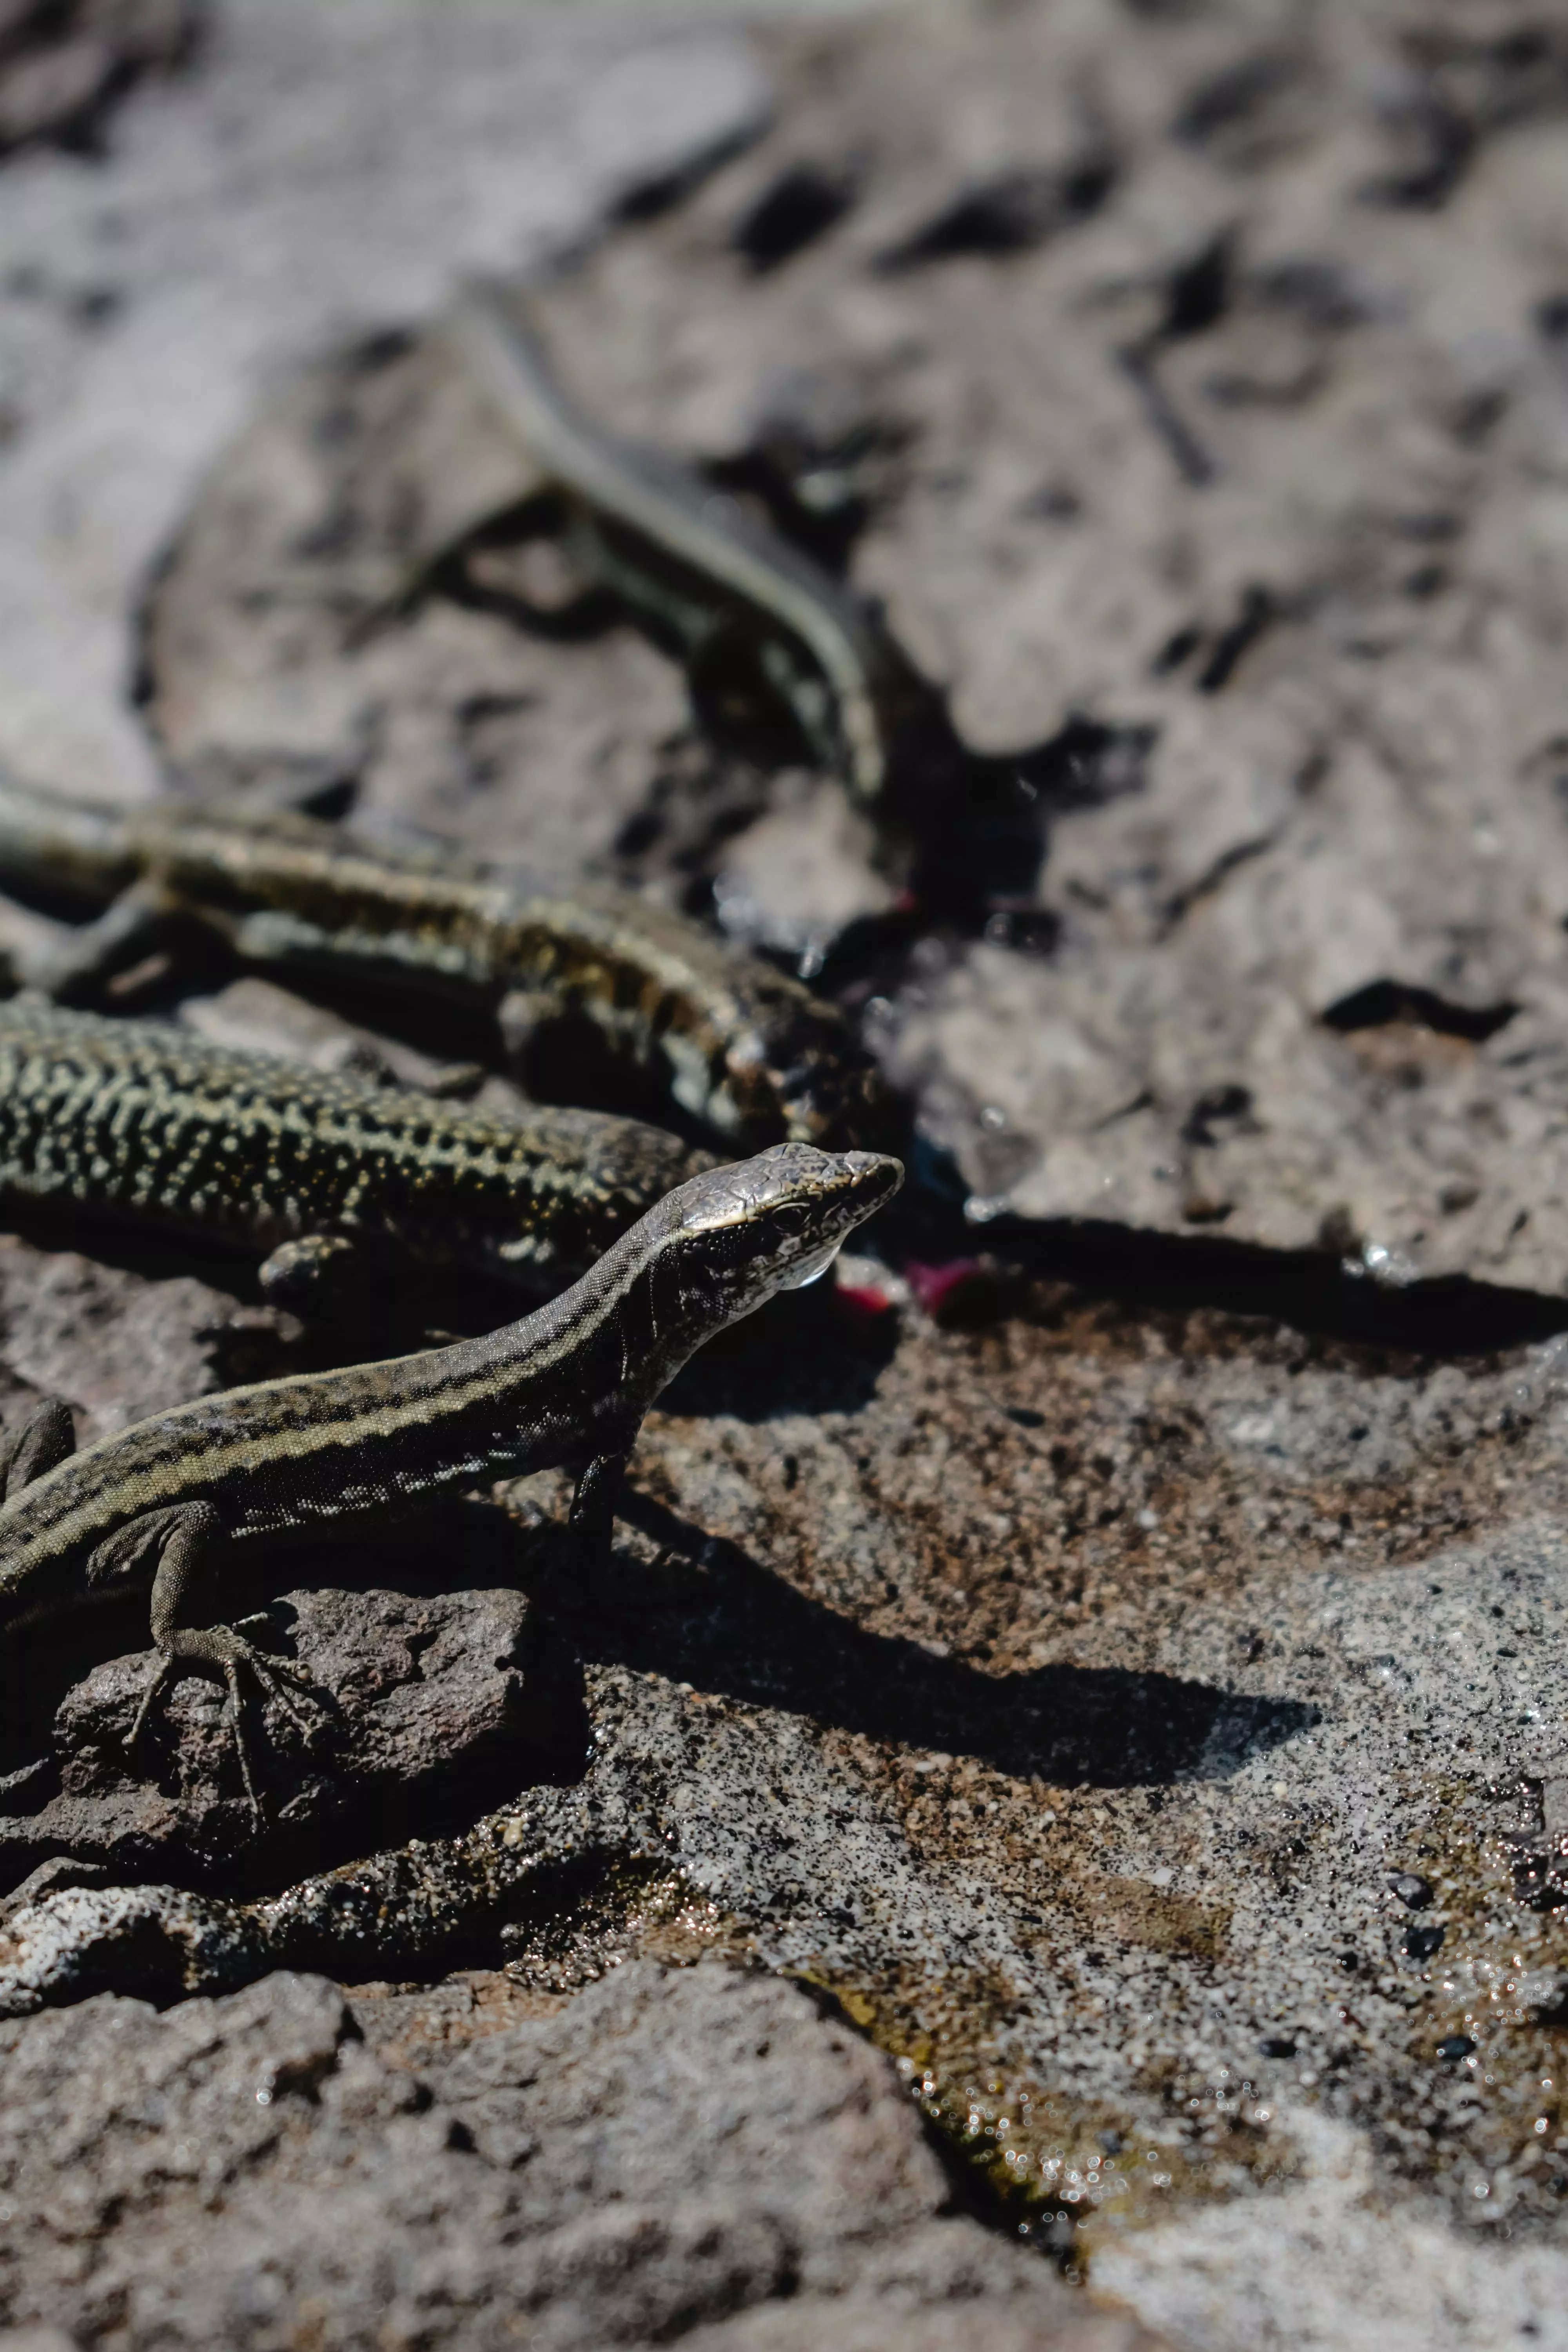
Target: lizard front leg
{"x":592,"y":1520}
{"x":184,"y":1535}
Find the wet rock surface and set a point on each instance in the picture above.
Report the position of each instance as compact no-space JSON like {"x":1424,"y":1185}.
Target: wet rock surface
{"x":1145,"y":1722}
{"x":694,"y":2152}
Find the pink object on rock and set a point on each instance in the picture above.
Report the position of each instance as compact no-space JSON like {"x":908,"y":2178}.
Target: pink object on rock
{"x":933,"y":1285}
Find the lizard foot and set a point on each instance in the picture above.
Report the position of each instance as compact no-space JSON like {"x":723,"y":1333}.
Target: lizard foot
{"x":219,"y":1651}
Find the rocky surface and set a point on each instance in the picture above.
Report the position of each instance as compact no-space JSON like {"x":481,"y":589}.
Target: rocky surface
{"x":693,"y":2154}
{"x":1138,"y":1703}
{"x":1190,"y":383}
{"x":363,"y":158}
{"x":62,"y":69}
{"x":1148,"y":1728}
{"x":413,"y":1701}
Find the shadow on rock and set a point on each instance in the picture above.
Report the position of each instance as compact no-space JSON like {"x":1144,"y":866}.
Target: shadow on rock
{"x":729,"y":1625}
{"x":806,"y":1351}
{"x":1320,"y":1291}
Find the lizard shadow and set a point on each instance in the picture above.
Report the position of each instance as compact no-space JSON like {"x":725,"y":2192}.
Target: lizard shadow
{"x":716,"y":1619}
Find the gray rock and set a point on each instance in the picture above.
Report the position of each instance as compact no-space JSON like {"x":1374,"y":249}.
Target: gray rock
{"x":256,"y":1016}
{"x":444,"y":712}
{"x":62,"y":69}
{"x":366,"y":157}
{"x":671,"y":2149}
{"x":415,"y":1702}
{"x":1062,"y":1691}
{"x":76,"y":1940}
{"x":118,"y":1346}
{"x":1064,"y":1697}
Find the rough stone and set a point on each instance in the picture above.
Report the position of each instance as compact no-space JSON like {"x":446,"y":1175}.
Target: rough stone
{"x":256,"y":1016}
{"x":1063,"y":1694}
{"x":1225,"y":482}
{"x":364,"y":157}
{"x":413,"y":1699}
{"x":1065,"y":1681}
{"x":670,"y":2149}
{"x":117,"y":1345}
{"x":62,"y":69}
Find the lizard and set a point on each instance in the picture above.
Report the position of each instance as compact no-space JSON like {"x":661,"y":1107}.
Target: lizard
{"x":749,"y":1054}
{"x":144,"y":1120}
{"x":698,"y":568}
{"x":567,"y":1386}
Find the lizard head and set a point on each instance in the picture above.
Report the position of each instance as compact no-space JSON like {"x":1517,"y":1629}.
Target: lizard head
{"x":739,"y":1234}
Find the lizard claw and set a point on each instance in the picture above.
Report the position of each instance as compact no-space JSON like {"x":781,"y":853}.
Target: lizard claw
{"x":217,"y":1651}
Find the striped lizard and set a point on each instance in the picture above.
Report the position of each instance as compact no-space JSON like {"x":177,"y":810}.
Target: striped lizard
{"x":565,"y":1387}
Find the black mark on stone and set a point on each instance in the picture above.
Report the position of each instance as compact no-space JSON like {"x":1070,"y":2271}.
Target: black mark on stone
{"x":660,"y":192}
{"x":1320,"y":291}
{"x":1219,"y":1106}
{"x":369,"y":357}
{"x":1442,"y":143}
{"x":1549,"y":763}
{"x":1457,"y":2046}
{"x":1027,"y":930}
{"x":1413,"y":1892}
{"x":1277,"y":2045}
{"x":97,"y":305}
{"x":1179,"y":647}
{"x":984,"y":852}
{"x":792,"y":211}
{"x":1192,"y":460}
{"x":1257,"y":611}
{"x":1087,"y":764}
{"x":1426,"y":581}
{"x":1053,"y":502}
{"x":1434,"y":529}
{"x":1233,"y":96}
{"x":1180,"y":903}
{"x":1382,"y":1002}
{"x":1009,"y":213}
{"x":1198,"y":291}
{"x":1422,"y":1943}
{"x":1477,"y":416}
{"x":1541,"y":1878}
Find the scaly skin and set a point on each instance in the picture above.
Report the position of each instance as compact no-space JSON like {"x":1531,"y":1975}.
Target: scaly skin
{"x":567,"y":1385}
{"x":142,"y":1120}
{"x":696,"y":562}
{"x":753,"y":1054}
